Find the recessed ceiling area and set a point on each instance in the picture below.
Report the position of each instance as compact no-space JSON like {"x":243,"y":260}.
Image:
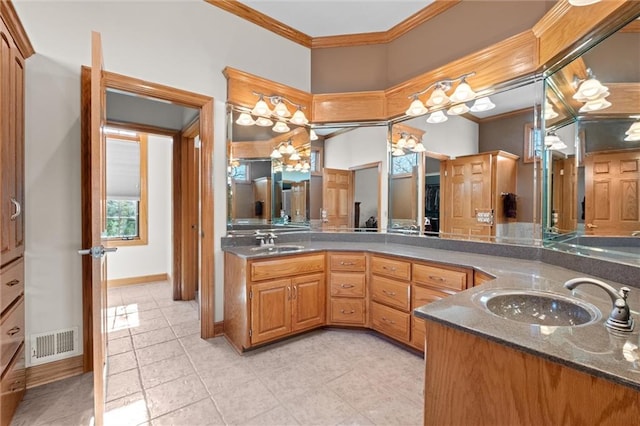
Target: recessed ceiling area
{"x":319,"y":18}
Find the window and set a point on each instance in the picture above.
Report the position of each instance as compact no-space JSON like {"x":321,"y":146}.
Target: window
{"x":315,"y":161}
{"x":404,"y":164}
{"x":241,"y":173}
{"x":126,"y":189}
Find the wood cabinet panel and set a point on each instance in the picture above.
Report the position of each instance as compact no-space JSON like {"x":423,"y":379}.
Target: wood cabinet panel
{"x":347,"y":262}
{"x":439,"y":277}
{"x":270,"y":310}
{"x":390,"y":321}
{"x":391,"y":267}
{"x":12,"y":282}
{"x":390,"y":292}
{"x":286,"y":266}
{"x":347,"y":284}
{"x":308,"y":301}
{"x":347,"y":311}
{"x":12,"y":331}
{"x":13,"y":386}
{"x":418,"y":333}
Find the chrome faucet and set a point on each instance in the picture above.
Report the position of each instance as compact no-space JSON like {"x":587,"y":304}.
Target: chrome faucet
{"x":266,"y":240}
{"x":620,"y":317}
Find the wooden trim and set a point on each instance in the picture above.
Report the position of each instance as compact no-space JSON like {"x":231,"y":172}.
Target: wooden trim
{"x":218,"y":329}
{"x":241,"y":85}
{"x":350,"y":40}
{"x":13,"y":23}
{"x":504,"y":115}
{"x":632,"y":27}
{"x":38,"y":375}
{"x":141,"y":279}
{"x":349,"y":107}
{"x":142,"y":128}
{"x":176,"y":190}
{"x":262,"y":20}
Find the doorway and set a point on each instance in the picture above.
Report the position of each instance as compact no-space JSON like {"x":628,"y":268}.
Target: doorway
{"x":201,"y":188}
{"x":367,"y":189}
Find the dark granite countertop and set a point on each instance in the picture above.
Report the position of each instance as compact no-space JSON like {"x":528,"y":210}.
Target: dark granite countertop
{"x":590,"y":348}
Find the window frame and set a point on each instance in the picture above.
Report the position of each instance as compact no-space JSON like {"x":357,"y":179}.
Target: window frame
{"x":143,"y":206}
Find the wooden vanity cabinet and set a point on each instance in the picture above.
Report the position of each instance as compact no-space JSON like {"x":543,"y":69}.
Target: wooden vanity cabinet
{"x":267,"y":299}
{"x":390,"y":297}
{"x":347,"y":289}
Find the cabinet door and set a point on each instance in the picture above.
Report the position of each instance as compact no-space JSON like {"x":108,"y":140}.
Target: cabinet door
{"x":308,"y":301}
{"x":270,"y":310}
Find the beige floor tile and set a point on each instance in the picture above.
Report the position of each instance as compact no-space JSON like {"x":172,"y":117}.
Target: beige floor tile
{"x":179,"y":318}
{"x":122,"y":362}
{"x":155,"y":353}
{"x":118,"y":346}
{"x":322,"y":407}
{"x":149,"y":315}
{"x":242,"y":403}
{"x":118,"y":334}
{"x":186,"y":328}
{"x":123,"y":384}
{"x":357,"y":420}
{"x":227,"y":376}
{"x":139,"y":304}
{"x":201,"y":413}
{"x":290,"y":381}
{"x":174,"y":395}
{"x":357,"y":389}
{"x":142,"y":326}
{"x":165,"y":371}
{"x":193,"y":342}
{"x":152,"y":337}
{"x":393,"y":410}
{"x":130,"y":410}
{"x":278,"y":416}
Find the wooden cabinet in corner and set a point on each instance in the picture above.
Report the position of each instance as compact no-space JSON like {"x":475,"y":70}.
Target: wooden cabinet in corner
{"x":347,"y":289}
{"x":268,"y":299}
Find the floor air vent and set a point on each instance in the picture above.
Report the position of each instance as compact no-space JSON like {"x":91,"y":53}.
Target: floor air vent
{"x":59,"y":344}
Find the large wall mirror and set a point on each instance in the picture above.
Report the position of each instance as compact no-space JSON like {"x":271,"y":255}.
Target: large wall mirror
{"x":592,"y":151}
{"x":269,"y":174}
{"x":469,"y":172}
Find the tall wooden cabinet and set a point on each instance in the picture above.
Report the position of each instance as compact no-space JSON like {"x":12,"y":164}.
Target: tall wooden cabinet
{"x":14,"y":47}
{"x":472,"y":193}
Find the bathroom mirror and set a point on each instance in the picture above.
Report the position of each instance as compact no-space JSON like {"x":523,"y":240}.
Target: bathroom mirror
{"x":592,"y":160}
{"x":457,"y":187}
{"x":268,"y":175}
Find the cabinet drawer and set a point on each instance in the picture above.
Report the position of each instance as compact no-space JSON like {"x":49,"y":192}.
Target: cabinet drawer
{"x":12,"y":330}
{"x":390,"y":292}
{"x":347,"y":284}
{"x":439,"y":277}
{"x":347,"y":311}
{"x":391,"y":268}
{"x":390,"y":321}
{"x":421,"y":296}
{"x":13,"y":386}
{"x":12,"y":283}
{"x":286,"y":266}
{"x":418,"y":333}
{"x":347,"y":262}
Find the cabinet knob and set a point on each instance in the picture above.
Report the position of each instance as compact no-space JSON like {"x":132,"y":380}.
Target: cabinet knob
{"x":388,"y":320}
{"x":346,"y":263}
{"x":346,"y":285}
{"x":389,"y":293}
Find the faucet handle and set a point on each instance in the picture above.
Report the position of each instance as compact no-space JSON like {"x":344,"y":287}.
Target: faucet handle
{"x":624,"y":292}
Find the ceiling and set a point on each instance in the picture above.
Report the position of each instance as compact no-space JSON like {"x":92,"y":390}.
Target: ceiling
{"x":319,"y":18}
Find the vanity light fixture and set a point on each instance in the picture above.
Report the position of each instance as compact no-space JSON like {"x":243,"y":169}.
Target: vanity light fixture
{"x":482,"y":104}
{"x":579,"y":3}
{"x":299,"y":118}
{"x":295,"y":156}
{"x":397,"y":152}
{"x":313,"y":135}
{"x":553,"y":142}
{"x":261,"y":108}
{"x":411,"y":142}
{"x":439,"y":97}
{"x":280,"y":111}
{"x":281,"y":127}
{"x":419,"y":147}
{"x":595,"y":105}
{"x":592,"y":92}
{"x":549,"y":112}
{"x":633,"y":134}
{"x":245,"y":120}
{"x":276,"y":153}
{"x":264,"y":122}
{"x":402,"y":142}
{"x":458,"y":109}
{"x":437,"y":117}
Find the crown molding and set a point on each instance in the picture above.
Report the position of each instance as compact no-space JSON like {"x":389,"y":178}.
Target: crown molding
{"x":632,"y":27}
{"x":262,"y":20}
{"x":348,"y":40}
{"x":13,"y":23}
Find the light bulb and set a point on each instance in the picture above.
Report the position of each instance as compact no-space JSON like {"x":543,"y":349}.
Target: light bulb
{"x":281,"y":110}
{"x":397,"y":152}
{"x":458,"y":109}
{"x":264,"y":122}
{"x":462,"y":93}
{"x":261,"y":108}
{"x":299,"y":118}
{"x":438,"y":98}
{"x":437,"y":117}
{"x":416,"y":108}
{"x":297,"y":167}
{"x":245,"y":120}
{"x":419,"y":147}
{"x":482,"y":104}
{"x":590,"y":89}
{"x":281,"y":127}
{"x":290,"y":149}
{"x":411,"y":142}
{"x":595,"y":105}
{"x":275,"y":153}
{"x":295,"y":156}
{"x":401,"y":142}
{"x":312,"y":135}
{"x":579,"y":3}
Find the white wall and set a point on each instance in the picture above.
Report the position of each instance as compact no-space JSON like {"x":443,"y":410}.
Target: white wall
{"x":360,"y":146}
{"x":366,"y":192}
{"x":455,"y":137}
{"x":184,"y":44}
{"x":156,"y":256}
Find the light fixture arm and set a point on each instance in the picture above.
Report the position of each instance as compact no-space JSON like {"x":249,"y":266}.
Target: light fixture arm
{"x":444,"y":84}
{"x":276,"y":99}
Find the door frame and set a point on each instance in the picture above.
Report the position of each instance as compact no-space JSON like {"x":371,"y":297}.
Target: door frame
{"x":180,"y":97}
{"x":354,"y":169}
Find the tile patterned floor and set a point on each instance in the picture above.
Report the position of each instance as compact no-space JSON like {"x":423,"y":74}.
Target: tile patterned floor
{"x":162,"y":373}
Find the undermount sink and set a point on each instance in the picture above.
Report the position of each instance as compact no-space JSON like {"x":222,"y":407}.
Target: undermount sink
{"x":540,"y":308}
{"x":277,"y":249}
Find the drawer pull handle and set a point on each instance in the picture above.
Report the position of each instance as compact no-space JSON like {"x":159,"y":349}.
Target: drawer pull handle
{"x":18,"y":207}
{"x":347,"y":263}
{"x":389,"y":268}
{"x":13,"y":331}
{"x":436,"y":278}
{"x":342,"y":311}
{"x":388,"y":320}
{"x":389,"y":293}
{"x":347,"y":285}
{"x":289,"y":293}
{"x":12,"y":283}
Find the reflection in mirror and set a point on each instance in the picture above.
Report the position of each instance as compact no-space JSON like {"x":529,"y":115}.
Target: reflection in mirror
{"x":268,"y":174}
{"x":473,"y":180}
{"x":592,"y":195}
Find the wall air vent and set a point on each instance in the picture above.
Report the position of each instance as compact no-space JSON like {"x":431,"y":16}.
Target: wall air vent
{"x":55,"y":345}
